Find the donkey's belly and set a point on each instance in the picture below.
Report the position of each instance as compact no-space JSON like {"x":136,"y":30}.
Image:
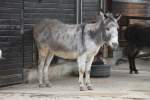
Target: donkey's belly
{"x":66,"y":55}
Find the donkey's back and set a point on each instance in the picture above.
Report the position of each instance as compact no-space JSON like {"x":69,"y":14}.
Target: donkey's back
{"x":61,"y":39}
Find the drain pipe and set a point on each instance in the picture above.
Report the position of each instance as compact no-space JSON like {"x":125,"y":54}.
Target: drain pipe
{"x":103,"y":5}
{"x":102,"y":8}
{"x":81,"y":16}
{"x":77,"y":12}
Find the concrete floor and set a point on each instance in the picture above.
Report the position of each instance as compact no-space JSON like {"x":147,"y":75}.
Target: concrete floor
{"x":119,"y":86}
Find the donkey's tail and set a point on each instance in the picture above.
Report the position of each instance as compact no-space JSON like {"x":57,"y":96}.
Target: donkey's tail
{"x":35,"y":54}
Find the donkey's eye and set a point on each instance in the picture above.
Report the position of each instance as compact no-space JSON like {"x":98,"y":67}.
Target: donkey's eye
{"x":107,"y":29}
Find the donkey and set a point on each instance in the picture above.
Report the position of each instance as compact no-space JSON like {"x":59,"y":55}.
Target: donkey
{"x":138,"y":37}
{"x":73,"y":41}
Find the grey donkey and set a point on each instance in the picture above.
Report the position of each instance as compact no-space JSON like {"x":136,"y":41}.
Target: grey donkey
{"x":73,"y":41}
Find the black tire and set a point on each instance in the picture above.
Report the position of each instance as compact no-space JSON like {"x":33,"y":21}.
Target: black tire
{"x":97,"y":70}
{"x":100,"y":70}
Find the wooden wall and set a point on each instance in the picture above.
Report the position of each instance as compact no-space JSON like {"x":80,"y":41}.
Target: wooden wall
{"x":65,"y":10}
{"x":134,"y":11}
{"x":17,"y":18}
{"x":11,"y":66}
{"x":130,"y":8}
{"x":90,"y":10}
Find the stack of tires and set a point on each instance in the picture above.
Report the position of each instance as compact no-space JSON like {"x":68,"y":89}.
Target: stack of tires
{"x":100,"y":70}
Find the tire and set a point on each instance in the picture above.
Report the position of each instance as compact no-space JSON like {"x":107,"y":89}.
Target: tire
{"x":100,"y":70}
{"x":97,"y":70}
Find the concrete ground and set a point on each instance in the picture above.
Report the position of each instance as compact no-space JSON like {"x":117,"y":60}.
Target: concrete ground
{"x":119,"y":86}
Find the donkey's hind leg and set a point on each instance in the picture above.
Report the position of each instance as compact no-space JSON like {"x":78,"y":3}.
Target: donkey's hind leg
{"x":42,"y":57}
{"x":47,"y":64}
{"x":81,"y":64}
{"x":134,"y":65}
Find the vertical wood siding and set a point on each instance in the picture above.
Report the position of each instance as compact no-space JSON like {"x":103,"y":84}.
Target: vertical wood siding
{"x":18,"y":49}
{"x":65,"y":10}
{"x":10,"y":42}
{"x":90,"y":10}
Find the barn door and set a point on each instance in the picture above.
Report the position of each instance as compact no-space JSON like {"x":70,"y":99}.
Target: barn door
{"x":11,"y":65}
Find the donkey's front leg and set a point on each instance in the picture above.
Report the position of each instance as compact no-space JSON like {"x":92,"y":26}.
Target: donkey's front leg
{"x":87,"y":72}
{"x":81,"y":64}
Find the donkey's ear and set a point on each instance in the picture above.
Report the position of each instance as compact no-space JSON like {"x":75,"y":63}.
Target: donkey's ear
{"x":101,"y":15}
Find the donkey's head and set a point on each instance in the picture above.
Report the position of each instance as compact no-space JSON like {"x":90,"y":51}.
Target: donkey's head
{"x":110,"y":28}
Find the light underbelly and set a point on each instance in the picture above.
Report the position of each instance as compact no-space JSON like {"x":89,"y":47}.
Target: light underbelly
{"x":66,"y":55}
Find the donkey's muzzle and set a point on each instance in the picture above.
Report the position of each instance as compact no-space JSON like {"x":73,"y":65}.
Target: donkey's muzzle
{"x":114,"y":46}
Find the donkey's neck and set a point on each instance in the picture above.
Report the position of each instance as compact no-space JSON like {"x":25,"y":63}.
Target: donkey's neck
{"x":96,"y":33}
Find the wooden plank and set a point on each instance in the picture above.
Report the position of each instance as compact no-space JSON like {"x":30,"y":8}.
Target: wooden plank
{"x":138,"y":17}
{"x":9,"y":22}
{"x":3,"y":39}
{"x":42,"y":1}
{"x":10,"y":56}
{"x":41,"y":15}
{"x":9,"y":27}
{"x":10,"y":44}
{"x":30,"y":21}
{"x":28,"y":53}
{"x":28,"y":48}
{"x":28,"y":65}
{"x":9,"y":49}
{"x":69,"y":20}
{"x":119,"y":5}
{"x":89,"y":1}
{"x":64,"y":10}
{"x":11,"y":79}
{"x":130,"y":9}
{"x":13,"y":60}
{"x":9,"y":16}
{"x":11,"y":1}
{"x":71,"y":11}
{"x":9,"y":32}
{"x":10,"y":10}
{"x":10,"y":71}
{"x":13,"y":54}
{"x":90,"y":10}
{"x":28,"y":59}
{"x":70,"y":6}
{"x":28,"y":38}
{"x":10,"y":5}
{"x":69,"y":1}
{"x":11,"y":66}
{"x":40,"y":5}
{"x":40,"y":10}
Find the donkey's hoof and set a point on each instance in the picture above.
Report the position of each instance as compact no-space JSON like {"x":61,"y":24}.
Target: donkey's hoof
{"x":42,"y":85}
{"x":82,"y":88}
{"x":136,"y":72}
{"x":89,"y":88}
{"x":48,"y":85}
{"x":131,"y":72}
